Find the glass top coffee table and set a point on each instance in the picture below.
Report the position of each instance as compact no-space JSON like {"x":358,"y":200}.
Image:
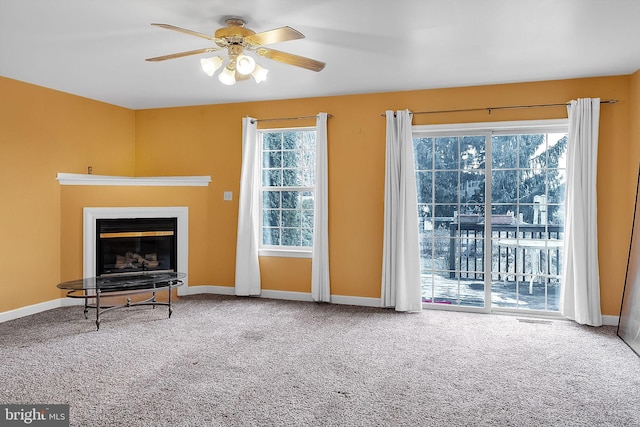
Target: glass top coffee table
{"x":92,"y":289}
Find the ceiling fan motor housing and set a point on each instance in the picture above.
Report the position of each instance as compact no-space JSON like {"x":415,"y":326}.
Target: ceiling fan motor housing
{"x":234,"y":32}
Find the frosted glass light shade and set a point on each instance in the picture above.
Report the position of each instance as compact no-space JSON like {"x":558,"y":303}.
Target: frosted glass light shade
{"x":210,"y":65}
{"x":245,"y":64}
{"x":259,"y":73}
{"x":227,"y":76}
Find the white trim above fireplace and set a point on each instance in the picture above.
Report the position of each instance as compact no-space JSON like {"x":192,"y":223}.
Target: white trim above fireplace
{"x":164,"y":181}
{"x":89,"y":233}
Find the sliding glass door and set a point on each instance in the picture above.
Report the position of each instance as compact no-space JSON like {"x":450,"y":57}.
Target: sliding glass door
{"x":451,"y":180}
{"x":491,"y":208}
{"x":527,"y":204}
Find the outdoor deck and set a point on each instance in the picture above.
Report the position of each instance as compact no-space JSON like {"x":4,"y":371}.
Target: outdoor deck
{"x":504,"y":294}
{"x":525,"y":264}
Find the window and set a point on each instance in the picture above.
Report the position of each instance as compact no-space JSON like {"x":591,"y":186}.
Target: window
{"x":491,"y":210}
{"x":287,"y":190}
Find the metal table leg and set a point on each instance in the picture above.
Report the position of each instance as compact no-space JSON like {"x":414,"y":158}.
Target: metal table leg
{"x":98,"y":309}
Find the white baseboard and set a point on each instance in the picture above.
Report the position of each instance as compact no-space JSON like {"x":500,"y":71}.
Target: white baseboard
{"x":38,"y":308}
{"x":610,"y":320}
{"x":363,"y":301}
{"x":285,"y":295}
{"x":205,"y":289}
{"x":223,"y":290}
{"x":228,"y":290}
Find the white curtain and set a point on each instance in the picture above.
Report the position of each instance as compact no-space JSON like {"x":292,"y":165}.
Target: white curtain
{"x":580,"y":299}
{"x":401,"y":252}
{"x":320,"y":289}
{"x":247,"y":266}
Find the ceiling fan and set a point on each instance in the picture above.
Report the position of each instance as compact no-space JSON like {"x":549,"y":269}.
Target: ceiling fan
{"x":237,"y":39}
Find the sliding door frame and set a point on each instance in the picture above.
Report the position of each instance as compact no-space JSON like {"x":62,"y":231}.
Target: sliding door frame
{"x":488,"y":130}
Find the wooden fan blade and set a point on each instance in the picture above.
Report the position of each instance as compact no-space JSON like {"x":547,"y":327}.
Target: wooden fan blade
{"x":291,"y":59}
{"x":277,"y":35}
{"x":185,"y":31}
{"x":181,"y":54}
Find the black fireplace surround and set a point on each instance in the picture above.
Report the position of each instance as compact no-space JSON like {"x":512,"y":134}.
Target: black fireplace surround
{"x":133,"y":245}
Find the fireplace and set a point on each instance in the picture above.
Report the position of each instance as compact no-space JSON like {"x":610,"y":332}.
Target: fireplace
{"x":126,"y":239}
{"x":131,"y":245}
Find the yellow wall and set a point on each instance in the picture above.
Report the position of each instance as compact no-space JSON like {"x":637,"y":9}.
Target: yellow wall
{"x":634,"y":119}
{"x":206,"y":140}
{"x":356,"y":135}
{"x":43,"y":132}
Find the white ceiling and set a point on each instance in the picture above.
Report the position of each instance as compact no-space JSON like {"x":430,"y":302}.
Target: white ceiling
{"x":96,"y":48}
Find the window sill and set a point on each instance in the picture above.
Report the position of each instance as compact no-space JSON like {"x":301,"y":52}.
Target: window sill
{"x":285,"y":253}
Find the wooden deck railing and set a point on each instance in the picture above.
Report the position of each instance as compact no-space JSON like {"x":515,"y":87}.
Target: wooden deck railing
{"x":469,"y":265}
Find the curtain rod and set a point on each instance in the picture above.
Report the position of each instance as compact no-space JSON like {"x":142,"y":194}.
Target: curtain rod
{"x":287,"y":118}
{"x":505,"y":107}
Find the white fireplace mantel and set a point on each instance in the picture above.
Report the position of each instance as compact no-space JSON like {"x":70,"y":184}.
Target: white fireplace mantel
{"x":161,"y":181}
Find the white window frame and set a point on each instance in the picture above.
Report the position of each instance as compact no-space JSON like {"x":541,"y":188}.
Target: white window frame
{"x":273,"y":250}
{"x":506,"y":127}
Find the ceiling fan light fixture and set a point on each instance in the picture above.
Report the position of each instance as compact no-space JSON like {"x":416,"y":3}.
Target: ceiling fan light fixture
{"x":211,"y":65}
{"x":227,"y":76}
{"x":235,"y":38}
{"x":259,"y":74}
{"x":245,"y":64}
